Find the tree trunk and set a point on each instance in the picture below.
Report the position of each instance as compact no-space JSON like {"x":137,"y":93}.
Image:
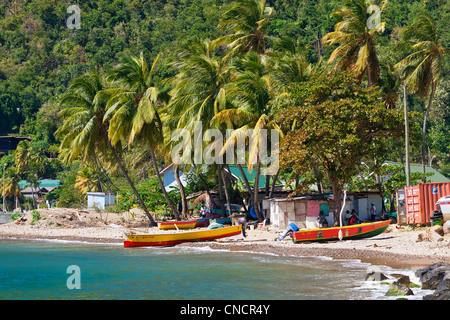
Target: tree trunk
{"x":221,"y":197}
{"x":337,"y":201}
{"x":244,"y":177}
{"x":256,"y":192}
{"x":32,"y":189}
{"x":362,"y":177}
{"x":274,"y":181}
{"x":392,"y":200}
{"x":424,"y":129}
{"x":101,"y":172}
{"x":227,"y":196}
{"x":369,"y":77}
{"x":317,"y":176}
{"x":161,"y":184}
{"x":184,"y":202}
{"x":138,"y":196}
{"x":267,"y":185}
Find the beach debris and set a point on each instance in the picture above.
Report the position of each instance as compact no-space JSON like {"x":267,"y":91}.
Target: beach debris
{"x":432,"y":234}
{"x":113,"y":225}
{"x":78,"y":215}
{"x":20,"y":220}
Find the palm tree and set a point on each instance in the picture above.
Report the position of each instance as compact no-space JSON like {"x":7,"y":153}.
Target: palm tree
{"x":422,"y":68}
{"x":84,"y":132}
{"x":87,"y":181}
{"x":252,"y":93}
{"x":199,"y":87}
{"x":356,"y":51}
{"x":24,"y":156}
{"x":12,"y":188}
{"x":198,"y":93}
{"x":132,"y":109}
{"x":389,"y":83}
{"x":245,"y":24}
{"x":288,"y":63}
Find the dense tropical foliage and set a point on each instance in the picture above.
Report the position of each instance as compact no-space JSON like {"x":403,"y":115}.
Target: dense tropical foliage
{"x":101,"y":102}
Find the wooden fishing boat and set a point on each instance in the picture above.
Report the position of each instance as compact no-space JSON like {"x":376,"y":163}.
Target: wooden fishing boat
{"x":169,"y":239}
{"x":173,"y":225}
{"x":357,"y":231}
{"x":202,"y":222}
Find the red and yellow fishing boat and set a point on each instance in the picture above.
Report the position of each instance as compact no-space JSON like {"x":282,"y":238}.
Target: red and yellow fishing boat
{"x":357,"y":231}
{"x":169,"y":239}
{"x":174,"y":225}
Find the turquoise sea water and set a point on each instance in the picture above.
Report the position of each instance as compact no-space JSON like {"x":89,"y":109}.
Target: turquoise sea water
{"x":38,"y":270}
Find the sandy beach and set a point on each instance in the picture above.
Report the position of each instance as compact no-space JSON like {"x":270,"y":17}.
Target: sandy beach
{"x":397,"y":247}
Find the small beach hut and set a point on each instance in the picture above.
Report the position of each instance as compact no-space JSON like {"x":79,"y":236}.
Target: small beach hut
{"x":100,"y":200}
{"x":302,"y":210}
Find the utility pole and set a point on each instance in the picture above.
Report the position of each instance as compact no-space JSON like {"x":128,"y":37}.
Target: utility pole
{"x":407,"y":165}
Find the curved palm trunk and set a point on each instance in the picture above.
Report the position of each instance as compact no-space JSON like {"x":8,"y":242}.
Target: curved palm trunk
{"x":221,"y":200}
{"x":256,"y":193}
{"x":227,"y":197}
{"x":424,"y":129}
{"x":244,"y":177}
{"x":102,"y":173}
{"x":274,"y":181}
{"x":138,"y":196}
{"x":161,"y":184}
{"x":184,"y":202}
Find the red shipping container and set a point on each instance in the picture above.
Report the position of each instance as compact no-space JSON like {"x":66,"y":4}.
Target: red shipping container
{"x":420,"y":201}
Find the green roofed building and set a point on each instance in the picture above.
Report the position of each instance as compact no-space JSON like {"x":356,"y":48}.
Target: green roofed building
{"x":45,"y":186}
{"x":435,"y":178}
{"x":46,"y":183}
{"x":234,"y":170}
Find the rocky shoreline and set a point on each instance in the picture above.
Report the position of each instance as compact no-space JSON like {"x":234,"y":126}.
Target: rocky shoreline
{"x":433,"y":277}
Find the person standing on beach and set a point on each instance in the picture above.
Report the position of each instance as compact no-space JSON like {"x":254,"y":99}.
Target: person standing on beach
{"x":202,"y":212}
{"x":373,"y":211}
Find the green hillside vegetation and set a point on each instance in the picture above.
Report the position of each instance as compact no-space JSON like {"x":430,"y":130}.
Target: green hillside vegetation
{"x":100,"y":102}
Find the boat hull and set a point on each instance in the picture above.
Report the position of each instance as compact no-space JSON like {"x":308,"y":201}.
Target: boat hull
{"x":357,"y":231}
{"x":152,"y":240}
{"x":174,"y":225}
{"x":222,"y":220}
{"x":202,"y":222}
